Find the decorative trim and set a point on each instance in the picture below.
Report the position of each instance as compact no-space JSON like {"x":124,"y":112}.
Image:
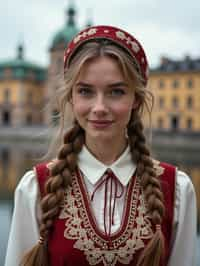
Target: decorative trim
{"x":116,"y":35}
{"x":98,"y":249}
{"x":157,"y":167}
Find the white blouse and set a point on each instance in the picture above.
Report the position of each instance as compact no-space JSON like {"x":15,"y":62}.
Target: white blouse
{"x":24,"y":232}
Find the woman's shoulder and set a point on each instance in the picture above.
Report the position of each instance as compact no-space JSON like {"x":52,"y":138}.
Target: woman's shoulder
{"x":27,"y":189}
{"x":184,"y":181}
{"x":27,"y":181}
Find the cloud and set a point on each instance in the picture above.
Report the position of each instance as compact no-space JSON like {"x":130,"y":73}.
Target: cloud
{"x":164,"y":27}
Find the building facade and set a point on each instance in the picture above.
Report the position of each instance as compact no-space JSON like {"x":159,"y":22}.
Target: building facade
{"x":176,"y":87}
{"x":22,"y":86}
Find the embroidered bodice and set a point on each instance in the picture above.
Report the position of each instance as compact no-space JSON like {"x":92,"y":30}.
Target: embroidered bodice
{"x":76,"y":238}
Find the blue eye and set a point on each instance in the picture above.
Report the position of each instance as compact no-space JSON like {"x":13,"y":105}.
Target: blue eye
{"x":117,"y":92}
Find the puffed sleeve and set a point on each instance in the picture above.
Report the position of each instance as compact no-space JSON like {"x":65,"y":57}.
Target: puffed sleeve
{"x":24,"y":226}
{"x":185,"y":223}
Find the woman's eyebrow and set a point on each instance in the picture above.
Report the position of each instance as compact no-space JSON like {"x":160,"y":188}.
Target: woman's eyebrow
{"x":111,"y":85}
{"x":84,"y":84}
{"x":118,"y":84}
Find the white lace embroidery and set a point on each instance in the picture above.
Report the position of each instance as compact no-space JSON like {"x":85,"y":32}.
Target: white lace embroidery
{"x":96,"y":249}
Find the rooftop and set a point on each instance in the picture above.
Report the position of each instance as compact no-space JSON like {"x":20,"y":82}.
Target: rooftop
{"x":169,"y":65}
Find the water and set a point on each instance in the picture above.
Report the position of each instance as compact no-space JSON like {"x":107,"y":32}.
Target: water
{"x":18,"y":158}
{"x":5,"y":218}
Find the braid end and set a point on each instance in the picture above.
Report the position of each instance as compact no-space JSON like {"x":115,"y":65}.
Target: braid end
{"x":153,"y":254}
{"x":37,"y":256}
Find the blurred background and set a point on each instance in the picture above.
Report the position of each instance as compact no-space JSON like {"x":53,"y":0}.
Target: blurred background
{"x":33,"y":37}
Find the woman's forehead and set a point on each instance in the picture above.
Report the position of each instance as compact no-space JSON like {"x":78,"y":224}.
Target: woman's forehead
{"x":102,"y":67}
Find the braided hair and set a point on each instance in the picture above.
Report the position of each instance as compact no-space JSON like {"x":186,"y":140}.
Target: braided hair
{"x":60,"y":177}
{"x":62,"y":169}
{"x":151,"y":188}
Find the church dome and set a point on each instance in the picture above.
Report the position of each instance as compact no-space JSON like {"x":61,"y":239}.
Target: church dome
{"x":20,"y":68}
{"x":63,"y":36}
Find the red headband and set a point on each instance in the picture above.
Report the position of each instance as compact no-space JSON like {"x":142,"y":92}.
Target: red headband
{"x":121,"y":37}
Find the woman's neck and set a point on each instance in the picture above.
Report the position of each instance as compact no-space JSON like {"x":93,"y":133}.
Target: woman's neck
{"x":107,"y":153}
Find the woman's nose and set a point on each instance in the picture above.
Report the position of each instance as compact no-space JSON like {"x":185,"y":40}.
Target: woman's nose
{"x":100,"y":105}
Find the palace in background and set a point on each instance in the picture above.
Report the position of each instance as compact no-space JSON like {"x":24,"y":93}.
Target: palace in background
{"x":26,"y":87}
{"x":176,"y":86}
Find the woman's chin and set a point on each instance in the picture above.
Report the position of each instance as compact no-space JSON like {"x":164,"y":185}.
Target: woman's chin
{"x":101,"y":136}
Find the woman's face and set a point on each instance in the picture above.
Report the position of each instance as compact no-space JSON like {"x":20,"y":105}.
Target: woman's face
{"x":102,"y":102}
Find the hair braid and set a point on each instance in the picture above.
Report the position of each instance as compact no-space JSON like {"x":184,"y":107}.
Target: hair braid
{"x":60,"y":177}
{"x":153,"y":194}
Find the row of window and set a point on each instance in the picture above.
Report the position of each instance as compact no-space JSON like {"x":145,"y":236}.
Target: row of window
{"x":7,"y":120}
{"x":176,"y":102}
{"x":175,"y":123}
{"x":176,"y":84}
{"x":7,"y":96}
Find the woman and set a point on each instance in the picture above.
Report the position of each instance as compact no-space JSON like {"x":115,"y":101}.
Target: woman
{"x":104,"y":200}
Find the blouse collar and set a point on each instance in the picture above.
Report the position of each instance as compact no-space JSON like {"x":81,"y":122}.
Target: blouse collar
{"x":93,"y":169}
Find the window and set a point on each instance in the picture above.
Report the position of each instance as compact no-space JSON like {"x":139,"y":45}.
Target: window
{"x":7,"y":95}
{"x":6,"y":119}
{"x":175,"y":84}
{"x":175,"y":102}
{"x":161,"y":102}
{"x":161,"y":84}
{"x":190,"y":102}
{"x":189,"y":123}
{"x":190,"y":83}
{"x":174,"y":122}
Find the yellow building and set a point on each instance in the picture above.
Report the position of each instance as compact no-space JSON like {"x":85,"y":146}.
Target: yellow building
{"x":22,"y":89}
{"x":176,"y":86}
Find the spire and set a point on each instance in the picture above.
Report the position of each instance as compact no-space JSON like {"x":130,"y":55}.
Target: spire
{"x":89,"y":21}
{"x":71,"y":12}
{"x":20,"y":52}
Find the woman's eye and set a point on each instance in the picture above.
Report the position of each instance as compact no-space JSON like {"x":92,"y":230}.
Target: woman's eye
{"x":85,"y":91}
{"x":117,"y":92}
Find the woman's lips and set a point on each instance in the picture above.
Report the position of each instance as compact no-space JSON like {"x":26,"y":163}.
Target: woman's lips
{"x":100,"y":124}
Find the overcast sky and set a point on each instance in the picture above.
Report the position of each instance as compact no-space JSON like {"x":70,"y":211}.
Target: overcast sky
{"x":165,"y":28}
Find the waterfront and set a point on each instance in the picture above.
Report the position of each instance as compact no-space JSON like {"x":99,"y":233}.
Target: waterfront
{"x":17,"y":157}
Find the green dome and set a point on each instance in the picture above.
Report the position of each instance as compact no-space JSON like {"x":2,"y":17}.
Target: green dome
{"x":65,"y":35}
{"x":22,"y":69}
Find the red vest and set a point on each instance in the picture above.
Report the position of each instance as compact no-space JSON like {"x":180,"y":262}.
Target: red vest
{"x":75,"y":239}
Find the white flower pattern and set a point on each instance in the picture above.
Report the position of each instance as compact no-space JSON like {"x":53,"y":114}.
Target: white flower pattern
{"x":84,"y":34}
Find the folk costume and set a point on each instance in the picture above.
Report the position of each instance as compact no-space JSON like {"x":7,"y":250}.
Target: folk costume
{"x":103,"y":219}
{"x":79,"y":236}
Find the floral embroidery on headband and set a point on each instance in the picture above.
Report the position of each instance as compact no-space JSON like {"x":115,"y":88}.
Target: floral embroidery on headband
{"x":122,"y":38}
{"x":121,"y":35}
{"x":85,"y":34}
